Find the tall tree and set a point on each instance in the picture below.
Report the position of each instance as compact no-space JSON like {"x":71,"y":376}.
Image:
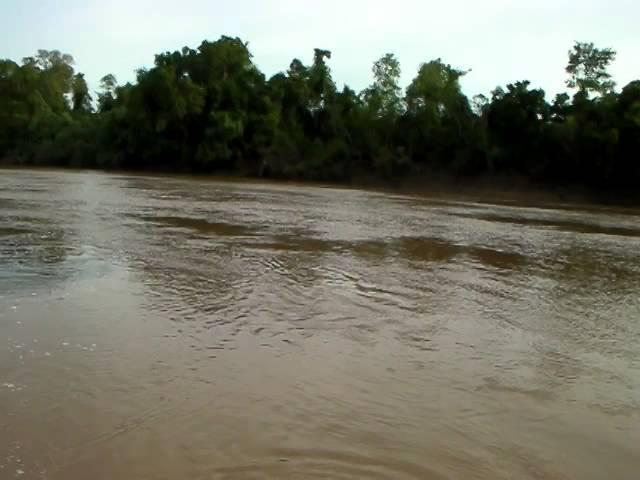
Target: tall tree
{"x":55,"y":77}
{"x":439,"y":116}
{"x":587,"y":68}
{"x":436,"y":89}
{"x":80,"y":97}
{"x":383,"y":97}
{"x":107,"y":93}
{"x":321,"y":84}
{"x":516,"y":120}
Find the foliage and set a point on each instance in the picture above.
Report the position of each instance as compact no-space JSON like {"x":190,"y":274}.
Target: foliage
{"x":588,"y":68}
{"x":210,"y":109}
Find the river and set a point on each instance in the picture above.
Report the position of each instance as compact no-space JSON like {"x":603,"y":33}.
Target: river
{"x":179,"y":328}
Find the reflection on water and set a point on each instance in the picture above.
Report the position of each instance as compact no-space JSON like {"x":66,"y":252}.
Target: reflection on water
{"x":162,"y":328}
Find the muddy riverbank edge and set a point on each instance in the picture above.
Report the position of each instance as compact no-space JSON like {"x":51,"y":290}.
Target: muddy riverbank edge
{"x":499,"y":189}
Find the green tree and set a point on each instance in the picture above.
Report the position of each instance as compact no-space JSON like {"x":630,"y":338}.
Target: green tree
{"x":439,"y":118}
{"x":384,"y":97}
{"x":625,"y":172}
{"x":321,"y":84}
{"x":81,"y":99}
{"x":107,"y":94}
{"x":516,"y":122}
{"x":436,"y":89}
{"x":55,"y":75}
{"x":587,"y":68}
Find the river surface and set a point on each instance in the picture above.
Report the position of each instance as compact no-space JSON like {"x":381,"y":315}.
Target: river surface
{"x":176,"y":328}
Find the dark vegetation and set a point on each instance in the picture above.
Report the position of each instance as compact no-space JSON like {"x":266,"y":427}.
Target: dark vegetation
{"x":211,"y":110}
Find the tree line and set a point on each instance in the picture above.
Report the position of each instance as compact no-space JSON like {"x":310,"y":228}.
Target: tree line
{"x":210,"y":109}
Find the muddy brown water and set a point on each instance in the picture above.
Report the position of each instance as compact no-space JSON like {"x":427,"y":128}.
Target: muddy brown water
{"x":173,"y":328}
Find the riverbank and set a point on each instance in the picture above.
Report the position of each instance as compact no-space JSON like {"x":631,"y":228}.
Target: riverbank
{"x":502,"y":189}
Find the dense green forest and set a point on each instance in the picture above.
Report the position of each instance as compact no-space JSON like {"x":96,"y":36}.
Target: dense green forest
{"x":212,"y":110}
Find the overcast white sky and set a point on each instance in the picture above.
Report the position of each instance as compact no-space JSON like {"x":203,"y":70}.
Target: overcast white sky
{"x":501,"y":40}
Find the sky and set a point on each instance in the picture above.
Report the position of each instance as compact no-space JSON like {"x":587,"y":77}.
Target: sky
{"x":501,"y":41}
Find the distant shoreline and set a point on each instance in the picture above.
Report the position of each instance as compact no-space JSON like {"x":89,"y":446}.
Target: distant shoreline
{"x":501,"y":190}
{"x":211,"y":110}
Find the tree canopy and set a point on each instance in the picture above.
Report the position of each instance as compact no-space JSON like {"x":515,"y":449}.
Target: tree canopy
{"x":210,"y":109}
